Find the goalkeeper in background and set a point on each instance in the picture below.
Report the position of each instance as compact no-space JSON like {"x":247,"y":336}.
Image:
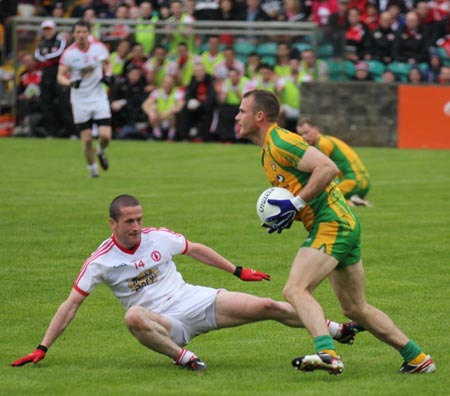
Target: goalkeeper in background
{"x":353,"y":178}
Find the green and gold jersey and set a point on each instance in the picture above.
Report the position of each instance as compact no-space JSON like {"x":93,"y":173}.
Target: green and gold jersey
{"x":280,"y":157}
{"x":345,"y":158}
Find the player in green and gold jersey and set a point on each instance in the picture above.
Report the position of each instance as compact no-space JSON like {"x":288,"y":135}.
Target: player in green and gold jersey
{"x":332,"y":247}
{"x":353,"y":178}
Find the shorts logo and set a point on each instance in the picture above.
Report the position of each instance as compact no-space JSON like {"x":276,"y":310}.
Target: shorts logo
{"x":156,"y":256}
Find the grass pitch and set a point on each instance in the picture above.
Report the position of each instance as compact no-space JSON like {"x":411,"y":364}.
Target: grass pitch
{"x":52,"y":216}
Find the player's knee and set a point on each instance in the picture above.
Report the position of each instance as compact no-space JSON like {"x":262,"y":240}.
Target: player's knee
{"x":134,"y":317}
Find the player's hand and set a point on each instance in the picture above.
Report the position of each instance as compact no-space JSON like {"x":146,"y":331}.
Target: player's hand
{"x":107,"y":80}
{"x":34,"y":357}
{"x":75,"y":84}
{"x":250,"y":275}
{"x":288,"y":211}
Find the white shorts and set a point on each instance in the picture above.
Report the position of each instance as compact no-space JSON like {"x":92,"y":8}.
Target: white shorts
{"x":85,"y":111}
{"x":192,"y":314}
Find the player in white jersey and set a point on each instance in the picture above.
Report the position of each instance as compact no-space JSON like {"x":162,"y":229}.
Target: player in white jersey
{"x":163,"y":311}
{"x":85,"y":67}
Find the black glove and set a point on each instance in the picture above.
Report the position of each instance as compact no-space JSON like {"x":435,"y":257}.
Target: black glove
{"x":75,"y":84}
{"x":107,"y":80}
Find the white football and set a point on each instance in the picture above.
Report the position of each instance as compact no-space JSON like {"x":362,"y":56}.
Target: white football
{"x":264,"y":209}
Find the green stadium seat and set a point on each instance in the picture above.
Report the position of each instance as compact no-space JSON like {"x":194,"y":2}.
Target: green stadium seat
{"x":400,"y":69}
{"x":267,"y":49}
{"x":302,"y":46}
{"x":337,"y":70}
{"x":325,"y":51}
{"x":244,"y":48}
{"x":270,"y":60}
{"x":376,"y":68}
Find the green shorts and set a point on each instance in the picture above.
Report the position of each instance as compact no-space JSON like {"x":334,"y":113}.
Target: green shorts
{"x":340,"y":239}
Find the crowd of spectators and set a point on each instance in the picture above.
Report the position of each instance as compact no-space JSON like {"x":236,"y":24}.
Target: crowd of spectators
{"x":179,"y":86}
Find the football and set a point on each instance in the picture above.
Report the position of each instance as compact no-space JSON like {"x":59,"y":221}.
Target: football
{"x":265,"y":209}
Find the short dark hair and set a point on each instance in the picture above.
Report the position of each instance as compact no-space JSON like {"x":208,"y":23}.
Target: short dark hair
{"x":266,"y":102}
{"x":119,"y":202}
{"x":82,"y":23}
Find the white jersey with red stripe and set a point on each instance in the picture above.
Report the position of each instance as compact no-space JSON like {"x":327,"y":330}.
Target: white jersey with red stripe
{"x":86,"y":65}
{"x":145,"y":276}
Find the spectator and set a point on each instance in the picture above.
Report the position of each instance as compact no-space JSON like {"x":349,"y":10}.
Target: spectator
{"x":229,"y":97}
{"x":254,"y":12}
{"x":29,"y":112}
{"x":184,"y":65}
{"x":120,"y":56}
{"x":439,"y":9}
{"x":322,"y":11}
{"x":444,"y":76}
{"x":395,"y":9}
{"x":227,"y":12}
{"x":411,"y":43}
{"x":127,"y":96}
{"x":289,"y":95}
{"x":361,"y":5}
{"x":357,"y":37}
{"x":362,"y":72}
{"x":293,"y":11}
{"x":158,"y":66}
{"x":252,"y":65}
{"x":415,"y":75}
{"x":81,"y":7}
{"x":427,"y":21}
{"x":371,"y":16}
{"x":337,"y":28}
{"x":212,"y":56}
{"x":229,"y":62}
{"x":58,"y":11}
{"x":311,"y":68}
{"x":273,"y":8}
{"x":266,"y":78}
{"x":136,"y":59}
{"x":107,"y":9}
{"x":206,"y":10}
{"x":145,"y":29}
{"x":200,"y":105}
{"x":388,"y":77}
{"x":50,"y":48}
{"x":434,"y":67}
{"x":383,"y":40}
{"x":183,"y":32}
{"x":119,"y":31}
{"x":162,"y":108}
{"x":281,"y":67}
{"x":90,"y":17}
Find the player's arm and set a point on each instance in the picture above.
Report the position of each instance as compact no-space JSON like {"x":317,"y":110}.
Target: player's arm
{"x":210,"y":257}
{"x":63,"y":72}
{"x":107,"y":72}
{"x":322,"y":169}
{"x":63,"y":316}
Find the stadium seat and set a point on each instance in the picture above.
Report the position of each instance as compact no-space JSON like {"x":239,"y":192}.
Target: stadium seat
{"x":244,"y":48}
{"x":302,"y":46}
{"x":444,"y":56}
{"x":267,"y":49}
{"x":270,"y":60}
{"x":376,"y":68}
{"x":337,"y":70}
{"x":400,"y":69}
{"x":325,"y":51}
{"x":349,"y":69}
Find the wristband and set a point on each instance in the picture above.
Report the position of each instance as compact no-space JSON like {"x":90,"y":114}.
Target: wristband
{"x":42,"y":348}
{"x":237,"y":272}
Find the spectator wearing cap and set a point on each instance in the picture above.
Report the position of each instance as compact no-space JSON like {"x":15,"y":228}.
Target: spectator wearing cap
{"x":48,"y":52}
{"x":362,"y":72}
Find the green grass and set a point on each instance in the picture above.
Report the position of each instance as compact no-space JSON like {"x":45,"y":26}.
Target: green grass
{"x":52,"y":216}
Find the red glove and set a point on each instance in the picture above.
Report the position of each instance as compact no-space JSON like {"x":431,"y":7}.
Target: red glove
{"x":34,"y":357}
{"x":249,"y":274}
